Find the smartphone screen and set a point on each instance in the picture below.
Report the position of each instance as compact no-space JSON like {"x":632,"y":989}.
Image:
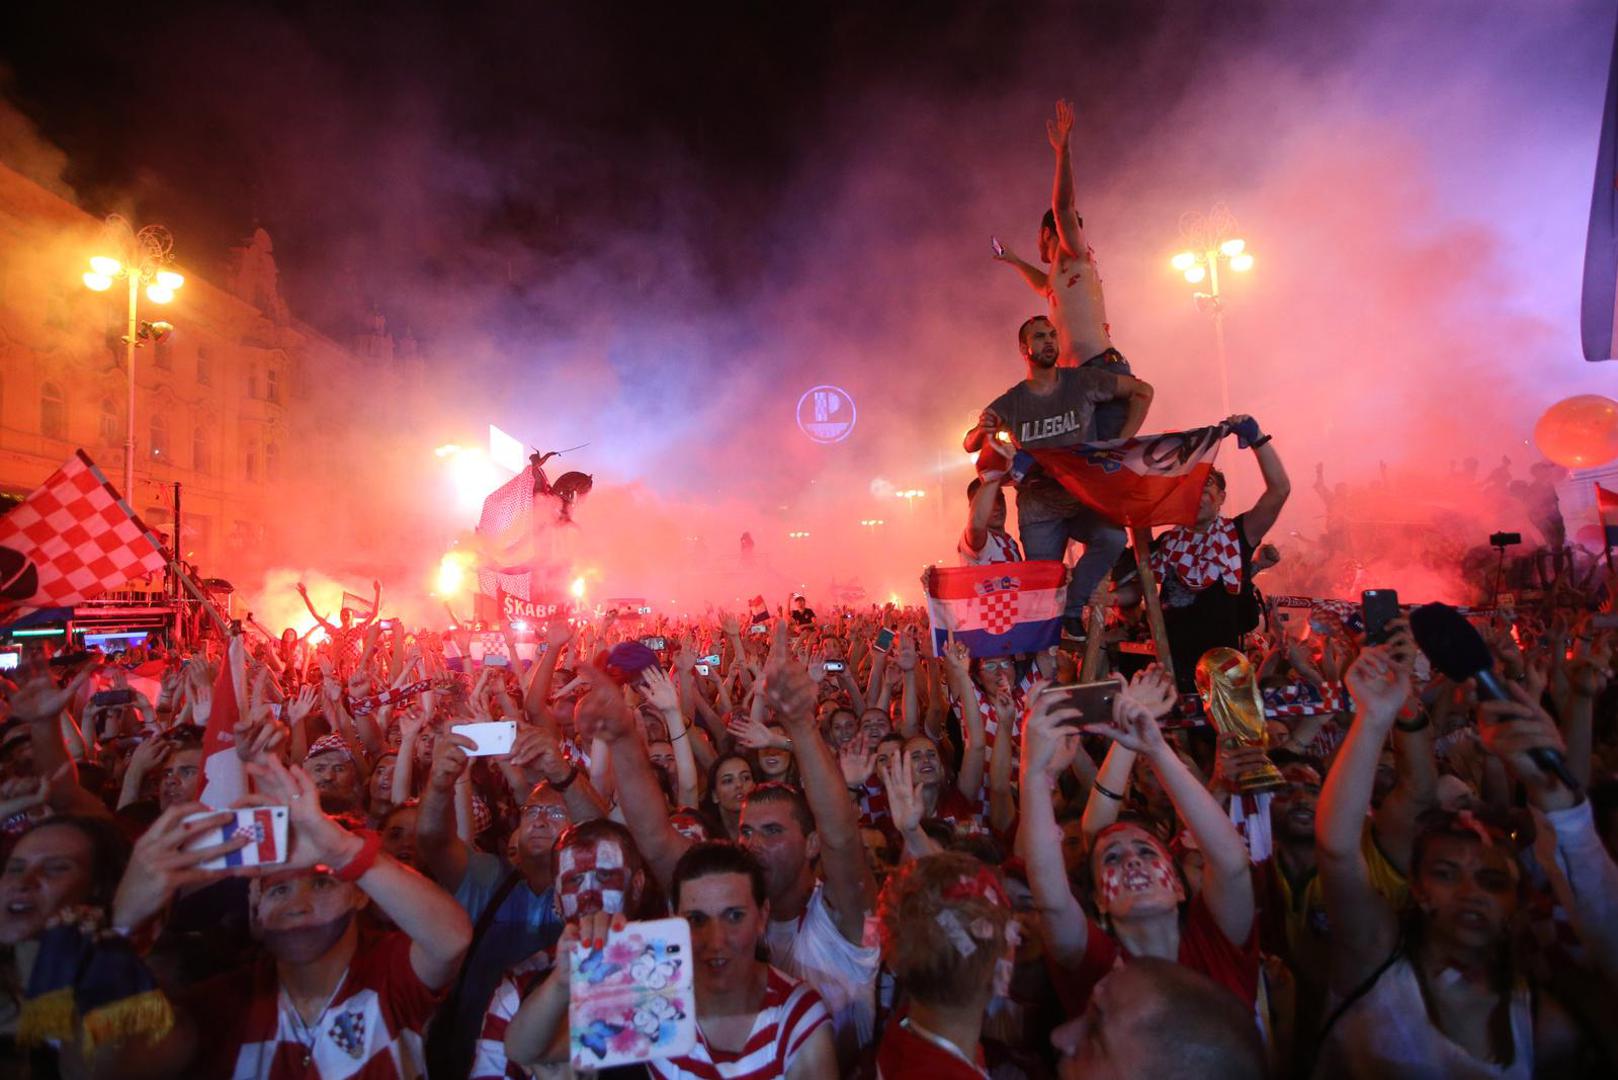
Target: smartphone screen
{"x":1379,"y":607}
{"x":884,"y":640}
{"x":836,"y":666}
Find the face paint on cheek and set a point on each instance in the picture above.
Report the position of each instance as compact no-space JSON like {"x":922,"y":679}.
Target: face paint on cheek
{"x":1112,"y":883}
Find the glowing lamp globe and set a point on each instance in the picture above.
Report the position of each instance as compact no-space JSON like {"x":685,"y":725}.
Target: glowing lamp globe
{"x":98,"y":282}
{"x":1579,"y":432}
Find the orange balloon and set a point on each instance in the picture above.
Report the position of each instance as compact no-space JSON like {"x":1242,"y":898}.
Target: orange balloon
{"x":1579,"y":432}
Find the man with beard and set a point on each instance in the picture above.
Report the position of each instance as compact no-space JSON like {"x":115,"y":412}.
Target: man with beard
{"x":330,"y":763}
{"x":512,"y":904}
{"x":815,"y":929}
{"x":328,"y":999}
{"x":1056,"y":407}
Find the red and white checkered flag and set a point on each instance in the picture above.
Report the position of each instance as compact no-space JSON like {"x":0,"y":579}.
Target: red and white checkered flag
{"x":72,"y":538}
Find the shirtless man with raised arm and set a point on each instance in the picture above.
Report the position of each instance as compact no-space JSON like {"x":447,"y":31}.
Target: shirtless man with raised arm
{"x":1072,"y":284}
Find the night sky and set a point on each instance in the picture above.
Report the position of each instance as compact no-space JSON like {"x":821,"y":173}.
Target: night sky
{"x":536,"y":129}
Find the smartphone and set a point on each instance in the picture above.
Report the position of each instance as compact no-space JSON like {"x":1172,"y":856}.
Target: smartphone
{"x":1378,"y":608}
{"x":266,"y":825}
{"x":835,"y":666}
{"x":496,"y":660}
{"x":644,"y":610}
{"x":884,"y":640}
{"x":103,"y":698}
{"x":703,"y":669}
{"x":712,"y":659}
{"x":999,"y":249}
{"x":758,"y":628}
{"x":1092,"y":700}
{"x":634,"y":999}
{"x":656,"y":644}
{"x":8,"y":661}
{"x":493,"y":739}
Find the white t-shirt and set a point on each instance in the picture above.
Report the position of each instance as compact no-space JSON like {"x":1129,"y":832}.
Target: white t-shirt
{"x":811,"y":948}
{"x":998,"y":548}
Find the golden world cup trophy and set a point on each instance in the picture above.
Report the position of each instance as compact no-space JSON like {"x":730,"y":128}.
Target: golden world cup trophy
{"x":1231,"y":699}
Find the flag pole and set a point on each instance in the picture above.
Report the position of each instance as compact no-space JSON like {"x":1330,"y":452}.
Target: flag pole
{"x":1099,"y":602}
{"x":207,"y":605}
{"x":1142,"y":536}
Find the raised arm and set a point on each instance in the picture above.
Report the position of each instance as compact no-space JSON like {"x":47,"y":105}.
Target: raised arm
{"x":1036,"y":278}
{"x":319,"y":618}
{"x":1138,"y":393}
{"x":1048,"y":746}
{"x":983,"y":503}
{"x":1227,"y":882}
{"x":439,"y":929}
{"x":640,"y":798}
{"x":1059,"y":130}
{"x":1364,"y":928}
{"x":1261,"y":518}
{"x":989,"y":423}
{"x":441,"y":849}
{"x":850,"y":885}
{"x":1414,"y":792}
{"x":973,"y":754}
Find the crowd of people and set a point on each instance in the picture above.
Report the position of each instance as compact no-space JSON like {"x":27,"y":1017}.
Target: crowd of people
{"x":891,"y":863}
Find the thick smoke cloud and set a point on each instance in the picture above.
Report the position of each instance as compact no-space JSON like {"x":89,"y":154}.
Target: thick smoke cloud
{"x":1412,"y":179}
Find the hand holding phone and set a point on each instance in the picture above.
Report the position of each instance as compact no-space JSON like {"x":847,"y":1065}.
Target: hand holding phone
{"x":835,"y":666}
{"x":265,"y":828}
{"x":494,"y":738}
{"x":884,"y":640}
{"x":1378,"y":608}
{"x":1093,"y":701}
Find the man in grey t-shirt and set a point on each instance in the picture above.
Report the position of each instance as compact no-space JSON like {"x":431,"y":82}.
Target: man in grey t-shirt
{"x":1056,"y":407}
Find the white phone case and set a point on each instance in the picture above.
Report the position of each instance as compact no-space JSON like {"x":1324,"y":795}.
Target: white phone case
{"x":494,"y":739}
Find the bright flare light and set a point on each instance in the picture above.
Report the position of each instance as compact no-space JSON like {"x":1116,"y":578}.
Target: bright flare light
{"x":1241,"y":263}
{"x":98,"y":282}
{"x":577,"y":588}
{"x":159,"y":294}
{"x":452,"y":573}
{"x":1196,"y":274}
{"x":169,"y":279}
{"x":1232,"y":248}
{"x":106,"y":266}
{"x":1185,"y":260}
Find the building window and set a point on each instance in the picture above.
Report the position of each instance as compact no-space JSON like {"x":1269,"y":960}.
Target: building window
{"x":251,"y":463}
{"x":163,"y":354}
{"x":204,"y":366}
{"x":107,"y":426}
{"x":201,"y":452}
{"x":252,"y":381}
{"x":272,"y":385}
{"x":52,"y":412}
{"x":160,"y":437}
{"x":272,"y":461}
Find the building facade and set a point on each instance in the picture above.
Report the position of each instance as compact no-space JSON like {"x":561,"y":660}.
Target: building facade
{"x":226,"y":407}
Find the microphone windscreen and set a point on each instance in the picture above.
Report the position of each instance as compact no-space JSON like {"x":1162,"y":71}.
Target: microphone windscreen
{"x":1452,"y":644}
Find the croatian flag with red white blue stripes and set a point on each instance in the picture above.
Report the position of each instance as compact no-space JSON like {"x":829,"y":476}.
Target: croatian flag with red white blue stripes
{"x":1147,"y":480}
{"x":261,"y":848}
{"x":999,"y":609}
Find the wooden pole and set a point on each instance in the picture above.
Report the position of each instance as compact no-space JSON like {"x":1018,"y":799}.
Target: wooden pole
{"x":1142,"y":536}
{"x":1099,"y":602}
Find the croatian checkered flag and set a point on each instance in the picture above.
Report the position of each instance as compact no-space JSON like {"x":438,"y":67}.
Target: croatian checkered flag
{"x":506,"y":538}
{"x":71,"y":539}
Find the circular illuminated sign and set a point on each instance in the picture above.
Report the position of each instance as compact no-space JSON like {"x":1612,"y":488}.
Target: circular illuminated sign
{"x":826,"y":414}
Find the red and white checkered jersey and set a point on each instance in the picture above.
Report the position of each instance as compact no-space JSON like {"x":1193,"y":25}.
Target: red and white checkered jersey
{"x":998,"y":548}
{"x":791,"y":1012}
{"x":76,"y":537}
{"x":371,"y":1030}
{"x":489,"y":1055}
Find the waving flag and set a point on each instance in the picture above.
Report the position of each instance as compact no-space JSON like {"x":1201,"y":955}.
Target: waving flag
{"x":1147,"y":480}
{"x":223,"y":778}
{"x":1598,"y":328}
{"x":1607,"y":505}
{"x":999,"y":609}
{"x":74,"y":537}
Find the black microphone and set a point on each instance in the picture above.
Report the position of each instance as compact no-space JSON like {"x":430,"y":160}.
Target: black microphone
{"x":1457,"y":649}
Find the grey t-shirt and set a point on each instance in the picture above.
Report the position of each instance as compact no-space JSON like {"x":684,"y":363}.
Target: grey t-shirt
{"x":1064,"y":417}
